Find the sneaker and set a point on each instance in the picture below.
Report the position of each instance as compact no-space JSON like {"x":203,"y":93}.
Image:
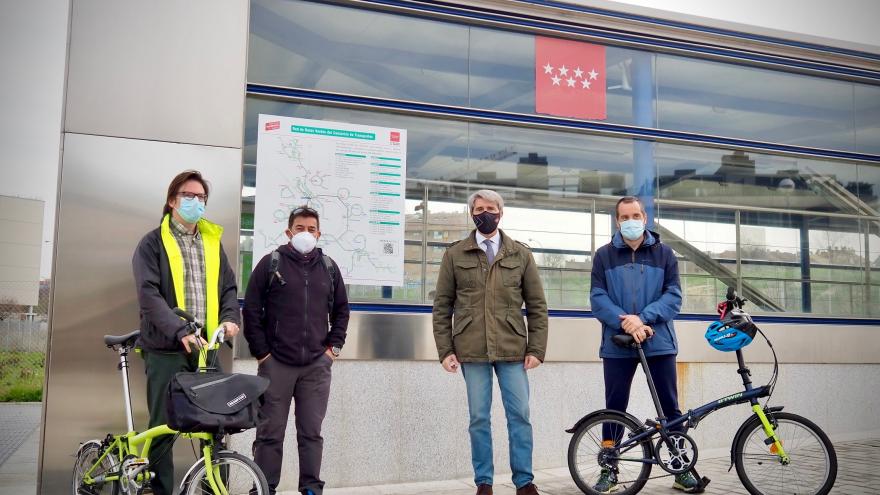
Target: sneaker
{"x":607,"y":482}
{"x":686,"y":482}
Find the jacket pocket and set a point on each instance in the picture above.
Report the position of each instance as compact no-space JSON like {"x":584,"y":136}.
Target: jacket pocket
{"x":511,"y":271}
{"x":467,"y":273}
{"x":459,"y":324}
{"x":516,"y":322}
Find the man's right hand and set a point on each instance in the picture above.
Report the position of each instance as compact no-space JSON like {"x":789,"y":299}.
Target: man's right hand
{"x":190,"y":340}
{"x":450,"y":363}
{"x":641,"y":333}
{"x":264,"y":358}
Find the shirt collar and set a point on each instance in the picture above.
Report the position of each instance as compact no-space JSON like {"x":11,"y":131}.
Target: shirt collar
{"x":495,"y":239}
{"x":179,"y":229}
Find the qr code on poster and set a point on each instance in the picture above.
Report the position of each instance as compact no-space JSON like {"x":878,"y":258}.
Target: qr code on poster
{"x":387,"y":247}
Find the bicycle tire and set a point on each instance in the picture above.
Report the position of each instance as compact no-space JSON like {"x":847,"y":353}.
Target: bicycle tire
{"x":247,"y":480}
{"x":584,"y":448}
{"x":813,"y":461}
{"x":88,"y":453}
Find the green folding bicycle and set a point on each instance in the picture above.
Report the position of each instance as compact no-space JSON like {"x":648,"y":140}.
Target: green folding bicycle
{"x":119,"y":464}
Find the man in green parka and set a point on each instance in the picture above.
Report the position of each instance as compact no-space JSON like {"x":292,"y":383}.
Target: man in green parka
{"x":479,"y":326}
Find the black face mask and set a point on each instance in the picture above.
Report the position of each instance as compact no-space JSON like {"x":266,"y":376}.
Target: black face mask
{"x":486,"y":222}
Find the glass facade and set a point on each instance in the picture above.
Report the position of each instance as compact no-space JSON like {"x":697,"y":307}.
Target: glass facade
{"x":795,"y":233}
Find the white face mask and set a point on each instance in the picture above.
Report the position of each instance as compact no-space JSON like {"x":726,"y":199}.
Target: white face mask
{"x":303,"y":242}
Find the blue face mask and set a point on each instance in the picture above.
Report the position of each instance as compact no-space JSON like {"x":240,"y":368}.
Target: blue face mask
{"x":632,"y":230}
{"x":191,"y":210}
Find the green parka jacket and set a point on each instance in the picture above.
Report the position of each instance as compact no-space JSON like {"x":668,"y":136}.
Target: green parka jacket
{"x":478,"y":308}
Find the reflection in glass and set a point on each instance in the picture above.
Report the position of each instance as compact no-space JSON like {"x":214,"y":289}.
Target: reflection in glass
{"x":867,"y":103}
{"x":355,"y":51}
{"x":752,"y":103}
{"x":754,"y":179}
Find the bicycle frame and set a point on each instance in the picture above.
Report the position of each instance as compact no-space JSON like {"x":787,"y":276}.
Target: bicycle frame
{"x":694,"y":416}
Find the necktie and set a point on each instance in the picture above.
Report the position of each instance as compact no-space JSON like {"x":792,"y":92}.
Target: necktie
{"x":490,"y":251}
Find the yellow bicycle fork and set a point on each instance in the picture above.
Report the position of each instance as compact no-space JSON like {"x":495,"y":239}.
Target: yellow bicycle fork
{"x":776,"y":447}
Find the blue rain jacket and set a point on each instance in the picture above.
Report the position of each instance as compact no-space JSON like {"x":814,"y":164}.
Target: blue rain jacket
{"x":642,"y":282}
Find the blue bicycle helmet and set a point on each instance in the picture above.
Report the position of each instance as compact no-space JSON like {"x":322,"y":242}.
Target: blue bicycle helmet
{"x":733,"y":333}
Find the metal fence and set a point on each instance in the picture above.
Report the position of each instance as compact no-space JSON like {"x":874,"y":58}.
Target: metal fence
{"x":23,"y":336}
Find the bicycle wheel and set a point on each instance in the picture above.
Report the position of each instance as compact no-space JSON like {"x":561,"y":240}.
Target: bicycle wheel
{"x":627,"y":465}
{"x":86,"y":457}
{"x":812,"y":466}
{"x":239,"y":475}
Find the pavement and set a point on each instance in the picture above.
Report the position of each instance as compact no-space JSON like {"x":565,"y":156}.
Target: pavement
{"x":857,"y":474}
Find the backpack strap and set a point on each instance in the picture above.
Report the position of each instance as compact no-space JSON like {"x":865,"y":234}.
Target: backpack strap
{"x":331,"y":271}
{"x":273,"y":272}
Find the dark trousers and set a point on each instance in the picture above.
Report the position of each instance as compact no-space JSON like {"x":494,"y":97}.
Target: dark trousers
{"x":619,"y":373}
{"x":309,"y":387}
{"x":160,"y":368}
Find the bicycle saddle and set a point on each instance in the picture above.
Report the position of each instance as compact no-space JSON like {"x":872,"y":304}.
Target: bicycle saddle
{"x":126,"y":340}
{"x":623,"y":340}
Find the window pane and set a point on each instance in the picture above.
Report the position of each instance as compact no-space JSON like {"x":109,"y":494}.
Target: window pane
{"x":753,"y":179}
{"x":868,"y":190}
{"x":746,"y":102}
{"x":502,"y":75}
{"x":339,"y":49}
{"x":436,"y":149}
{"x":867,"y":103}
{"x":549,"y":160}
{"x":704,"y":242}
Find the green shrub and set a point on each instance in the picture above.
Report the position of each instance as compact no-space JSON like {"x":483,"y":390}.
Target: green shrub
{"x":22,"y":394}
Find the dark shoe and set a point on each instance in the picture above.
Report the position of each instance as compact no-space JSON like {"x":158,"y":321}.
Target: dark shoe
{"x":686,"y":482}
{"x":529,"y":489}
{"x":484,"y":489}
{"x":607,"y":482}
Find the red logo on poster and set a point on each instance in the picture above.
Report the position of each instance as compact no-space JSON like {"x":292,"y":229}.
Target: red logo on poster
{"x":395,"y":137}
{"x":569,"y":78}
{"x":271,"y":126}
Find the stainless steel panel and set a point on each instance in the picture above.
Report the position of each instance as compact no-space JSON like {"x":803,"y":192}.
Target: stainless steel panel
{"x":167,"y":71}
{"x":112,"y":191}
{"x":409,"y":337}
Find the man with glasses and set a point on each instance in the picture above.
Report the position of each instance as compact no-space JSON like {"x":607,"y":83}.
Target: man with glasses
{"x":478,"y":326}
{"x":295,"y":320}
{"x":179,"y":264}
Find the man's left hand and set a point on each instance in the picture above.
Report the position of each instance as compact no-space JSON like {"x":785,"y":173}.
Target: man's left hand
{"x":329,"y":353}
{"x":231,"y":329}
{"x":531,"y":362}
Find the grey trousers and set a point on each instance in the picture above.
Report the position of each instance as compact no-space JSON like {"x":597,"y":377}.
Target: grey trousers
{"x":309,"y":387}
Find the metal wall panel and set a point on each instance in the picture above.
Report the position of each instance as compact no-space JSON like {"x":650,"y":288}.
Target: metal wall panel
{"x":112,"y":191}
{"x":405,"y":336}
{"x":167,"y":71}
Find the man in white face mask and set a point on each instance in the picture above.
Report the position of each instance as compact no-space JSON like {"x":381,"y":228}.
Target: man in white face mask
{"x":292,"y":295}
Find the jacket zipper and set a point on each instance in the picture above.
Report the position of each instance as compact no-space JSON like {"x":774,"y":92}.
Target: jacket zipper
{"x":305,"y":317}
{"x":211,"y":383}
{"x":635,"y":302}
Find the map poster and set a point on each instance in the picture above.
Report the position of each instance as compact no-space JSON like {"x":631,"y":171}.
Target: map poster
{"x":354,"y":176}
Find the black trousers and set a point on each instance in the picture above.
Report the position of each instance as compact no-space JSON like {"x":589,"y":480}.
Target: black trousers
{"x":619,"y":373}
{"x":160,"y":369}
{"x":309,"y":388}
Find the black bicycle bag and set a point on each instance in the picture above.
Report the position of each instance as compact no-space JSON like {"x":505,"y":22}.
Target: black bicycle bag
{"x":214,"y":402}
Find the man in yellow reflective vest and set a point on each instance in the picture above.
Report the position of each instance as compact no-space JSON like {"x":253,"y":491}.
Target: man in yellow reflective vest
{"x":180,"y":264}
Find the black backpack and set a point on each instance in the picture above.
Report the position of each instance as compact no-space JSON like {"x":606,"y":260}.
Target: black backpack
{"x":328,"y":265}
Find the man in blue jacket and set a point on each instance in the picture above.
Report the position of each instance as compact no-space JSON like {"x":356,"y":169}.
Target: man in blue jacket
{"x":635,"y":290}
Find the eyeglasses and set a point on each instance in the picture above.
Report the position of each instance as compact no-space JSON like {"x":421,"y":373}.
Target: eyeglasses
{"x":303,"y":209}
{"x":190,"y":195}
